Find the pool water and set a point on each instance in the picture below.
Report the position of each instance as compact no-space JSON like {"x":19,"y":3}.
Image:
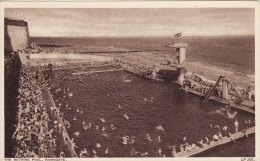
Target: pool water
{"x":148,"y":104}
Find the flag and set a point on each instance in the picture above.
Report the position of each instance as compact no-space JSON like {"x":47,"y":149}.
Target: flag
{"x":177,"y":35}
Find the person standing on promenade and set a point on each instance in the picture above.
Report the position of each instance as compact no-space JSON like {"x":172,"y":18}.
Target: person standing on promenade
{"x":210,"y":125}
{"x":62,"y":154}
{"x":246,"y":124}
{"x":184,"y":139}
{"x":236,"y":125}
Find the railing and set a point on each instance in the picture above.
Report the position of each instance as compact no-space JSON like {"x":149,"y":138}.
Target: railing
{"x":139,"y":69}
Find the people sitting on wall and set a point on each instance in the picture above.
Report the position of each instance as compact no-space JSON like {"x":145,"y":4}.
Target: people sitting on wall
{"x":215,"y":137}
{"x":32,"y":136}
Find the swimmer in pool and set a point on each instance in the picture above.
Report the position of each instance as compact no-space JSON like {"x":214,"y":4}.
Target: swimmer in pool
{"x":106,"y":151}
{"x":158,"y":139}
{"x":125,"y":140}
{"x":148,"y":137}
{"x":126,"y":117}
{"x":131,"y":140}
{"x":76,"y":133}
{"x":112,"y":127}
{"x":102,"y":119}
{"x":98,"y":145}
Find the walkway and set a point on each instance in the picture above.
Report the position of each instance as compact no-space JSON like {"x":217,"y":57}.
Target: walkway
{"x":213,"y":144}
{"x":78,"y":66}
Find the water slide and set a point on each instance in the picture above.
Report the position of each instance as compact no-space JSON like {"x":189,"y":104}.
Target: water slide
{"x":212,"y":89}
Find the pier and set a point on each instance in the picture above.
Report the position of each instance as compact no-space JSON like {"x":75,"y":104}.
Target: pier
{"x":213,"y":144}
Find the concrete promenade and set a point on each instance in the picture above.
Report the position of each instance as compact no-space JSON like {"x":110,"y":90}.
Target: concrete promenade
{"x":98,"y":71}
{"x":213,"y":144}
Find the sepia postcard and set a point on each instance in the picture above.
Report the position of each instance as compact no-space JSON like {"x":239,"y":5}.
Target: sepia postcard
{"x":129,"y":80}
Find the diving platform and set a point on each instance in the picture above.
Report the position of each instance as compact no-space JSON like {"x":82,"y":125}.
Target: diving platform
{"x":213,"y":144}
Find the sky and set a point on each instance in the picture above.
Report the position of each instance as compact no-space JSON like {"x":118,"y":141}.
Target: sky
{"x":135,"y":22}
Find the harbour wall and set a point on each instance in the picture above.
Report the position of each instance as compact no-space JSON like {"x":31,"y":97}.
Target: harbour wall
{"x":16,"y":35}
{"x":16,"y":38}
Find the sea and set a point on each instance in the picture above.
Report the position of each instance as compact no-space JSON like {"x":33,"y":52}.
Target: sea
{"x":236,"y":53}
{"x":159,"y":109}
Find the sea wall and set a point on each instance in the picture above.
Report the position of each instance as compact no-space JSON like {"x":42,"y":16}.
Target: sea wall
{"x":12,"y":74}
{"x":16,"y":35}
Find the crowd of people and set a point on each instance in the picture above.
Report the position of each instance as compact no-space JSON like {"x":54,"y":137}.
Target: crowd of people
{"x":32,"y":135}
{"x":140,"y":69}
{"x":35,"y":48}
{"x":70,"y":64}
{"x":202,"y":86}
{"x":198,"y":84}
